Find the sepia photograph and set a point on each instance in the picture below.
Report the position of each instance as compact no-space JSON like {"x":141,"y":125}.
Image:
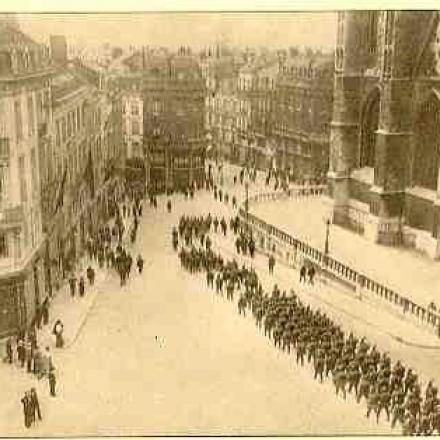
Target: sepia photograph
{"x":220,"y":223}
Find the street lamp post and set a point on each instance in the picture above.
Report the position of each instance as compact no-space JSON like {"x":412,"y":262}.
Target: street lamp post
{"x":327,"y":233}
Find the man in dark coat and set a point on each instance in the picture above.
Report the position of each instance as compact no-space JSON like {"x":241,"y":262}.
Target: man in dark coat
{"x":52,"y":382}
{"x":35,"y":405}
{"x":81,"y":287}
{"x":72,"y":284}
{"x":140,"y":263}
{"x":26,"y":401}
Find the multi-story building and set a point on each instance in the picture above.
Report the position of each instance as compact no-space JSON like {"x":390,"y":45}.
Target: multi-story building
{"x":133,"y":124}
{"x":256,"y":86}
{"x":174,"y":97}
{"x":24,"y":102}
{"x":86,"y":146}
{"x":301,"y":114}
{"x":385,"y":136}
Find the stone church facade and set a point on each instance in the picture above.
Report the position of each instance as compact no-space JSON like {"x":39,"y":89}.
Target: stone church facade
{"x":385,"y":133}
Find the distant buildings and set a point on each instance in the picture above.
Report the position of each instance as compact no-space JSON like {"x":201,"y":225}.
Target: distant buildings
{"x":270,"y":111}
{"x":173,"y":94}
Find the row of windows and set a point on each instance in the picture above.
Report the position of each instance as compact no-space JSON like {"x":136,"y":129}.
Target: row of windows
{"x":31,"y":119}
{"x":69,"y":125}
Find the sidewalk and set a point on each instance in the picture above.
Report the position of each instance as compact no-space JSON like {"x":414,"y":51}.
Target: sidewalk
{"x":404,"y":271}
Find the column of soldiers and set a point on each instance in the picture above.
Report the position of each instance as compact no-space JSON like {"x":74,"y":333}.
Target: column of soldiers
{"x":352,"y":363}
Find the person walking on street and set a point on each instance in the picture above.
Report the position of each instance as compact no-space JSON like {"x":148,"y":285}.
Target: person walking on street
{"x":9,"y":351}
{"x":52,"y":382}
{"x":21,"y":352}
{"x":58,"y":332}
{"x":72,"y":284}
{"x":34,"y":405}
{"x":26,"y":401}
{"x":90,"y":275}
{"x":140,"y":263}
{"x":81,"y":287}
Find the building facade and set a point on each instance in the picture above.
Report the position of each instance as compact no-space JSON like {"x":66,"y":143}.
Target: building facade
{"x":25,"y":73}
{"x":301,"y":114}
{"x":385,"y":137}
{"x":174,"y":135}
{"x":255,"y":90}
{"x":133,"y":122}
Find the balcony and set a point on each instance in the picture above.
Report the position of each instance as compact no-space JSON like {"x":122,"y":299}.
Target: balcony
{"x":4,"y":150}
{"x":11,"y":217}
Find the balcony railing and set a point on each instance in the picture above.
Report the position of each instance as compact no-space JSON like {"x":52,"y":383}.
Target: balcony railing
{"x":11,"y":216}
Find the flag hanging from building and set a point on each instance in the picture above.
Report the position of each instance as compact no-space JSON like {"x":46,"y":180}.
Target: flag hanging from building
{"x":60,"y":194}
{"x":88,"y":175}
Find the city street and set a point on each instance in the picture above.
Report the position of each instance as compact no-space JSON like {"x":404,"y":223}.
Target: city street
{"x":165,"y":356}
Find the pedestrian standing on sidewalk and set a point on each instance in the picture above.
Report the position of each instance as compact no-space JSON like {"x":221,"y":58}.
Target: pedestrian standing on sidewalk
{"x":58,"y":330}
{"x":91,"y":274}
{"x":26,"y":401}
{"x":52,"y":382}
{"x":34,"y":405}
{"x":140,"y":263}
{"x":72,"y":284}
{"x":81,"y":287}
{"x":9,"y":351}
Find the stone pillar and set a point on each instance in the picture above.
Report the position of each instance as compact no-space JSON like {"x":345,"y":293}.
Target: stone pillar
{"x":349,"y":61}
{"x":395,"y":133}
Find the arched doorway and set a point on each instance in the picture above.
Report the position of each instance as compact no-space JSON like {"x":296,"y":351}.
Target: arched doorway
{"x":370,"y":124}
{"x":427,"y":145}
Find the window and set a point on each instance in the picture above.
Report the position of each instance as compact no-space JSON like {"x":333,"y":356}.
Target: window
{"x":34,"y":170}
{"x":58,"y":133}
{"x":78,"y":118}
{"x":135,"y":127}
{"x":135,"y":109}
{"x":372,"y":31}
{"x":31,"y":120}
{"x":63,"y":129}
{"x":22,"y":172}
{"x":69,"y":124}
{"x":4,"y":171}
{"x":74,"y":122}
{"x":3,"y":246}
{"x":18,"y":120}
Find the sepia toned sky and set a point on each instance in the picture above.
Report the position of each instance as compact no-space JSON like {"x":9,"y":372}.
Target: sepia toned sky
{"x":315,"y":29}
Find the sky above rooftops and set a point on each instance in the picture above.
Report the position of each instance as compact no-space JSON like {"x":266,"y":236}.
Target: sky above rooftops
{"x":198,"y":30}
